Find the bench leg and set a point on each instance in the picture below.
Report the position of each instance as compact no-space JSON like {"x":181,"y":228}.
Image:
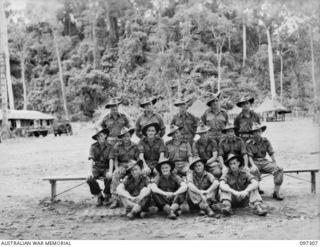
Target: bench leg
{"x":313,"y":182}
{"x":53,"y":189}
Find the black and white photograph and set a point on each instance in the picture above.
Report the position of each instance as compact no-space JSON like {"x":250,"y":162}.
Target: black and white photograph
{"x":159,"y":120}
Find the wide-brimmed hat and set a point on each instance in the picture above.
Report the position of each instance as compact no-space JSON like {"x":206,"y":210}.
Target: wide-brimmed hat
{"x":145,"y":101}
{"x":181,"y":101}
{"x":195,"y":160}
{"x":133,"y":163}
{"x":144,"y":129}
{"x":113,"y":102}
{"x":228,"y":127}
{"x":202,"y":129}
{"x":126,"y":130}
{"x":257,"y":126}
{"x":245,"y":99}
{"x":232,"y":157}
{"x":165,"y":161}
{"x":173,"y":128}
{"x":213,"y":97}
{"x":104,"y":131}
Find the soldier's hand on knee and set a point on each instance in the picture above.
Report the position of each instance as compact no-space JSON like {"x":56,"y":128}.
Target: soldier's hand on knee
{"x":224,"y":170}
{"x":146,"y":171}
{"x":109,"y":174}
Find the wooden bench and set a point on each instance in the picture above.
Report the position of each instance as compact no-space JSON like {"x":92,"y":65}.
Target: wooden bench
{"x":53,"y":182}
{"x":312,"y":173}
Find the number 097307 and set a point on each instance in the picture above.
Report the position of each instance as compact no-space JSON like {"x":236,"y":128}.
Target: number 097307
{"x":308,"y":243}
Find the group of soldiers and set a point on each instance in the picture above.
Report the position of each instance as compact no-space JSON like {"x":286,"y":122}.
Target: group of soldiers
{"x":213,"y":174}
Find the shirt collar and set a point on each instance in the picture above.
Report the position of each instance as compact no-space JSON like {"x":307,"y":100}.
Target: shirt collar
{"x":220,"y":110}
{"x":242,"y":114}
{"x":111,"y":115}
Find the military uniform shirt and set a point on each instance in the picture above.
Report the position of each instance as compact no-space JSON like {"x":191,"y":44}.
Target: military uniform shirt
{"x":202,"y":182}
{"x":169,"y":184}
{"x":133,"y":186}
{"x":100,"y":154}
{"x":151,"y":151}
{"x":259,"y":148}
{"x":244,"y":124}
{"x":179,"y":152}
{"x":114,"y":125}
{"x":124,"y":155}
{"x":216,"y":121}
{"x":233,"y":145}
{"x":188,"y":122}
{"x":204,"y":150}
{"x":144,"y":119}
{"x":237,"y":182}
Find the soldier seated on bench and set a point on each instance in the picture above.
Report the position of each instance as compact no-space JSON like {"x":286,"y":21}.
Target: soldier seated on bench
{"x":101,"y":167}
{"x":257,"y":148}
{"x":238,"y":187}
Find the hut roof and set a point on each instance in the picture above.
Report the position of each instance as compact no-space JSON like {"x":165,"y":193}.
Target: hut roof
{"x":271,"y":105}
{"x":197,"y":108}
{"x":28,"y":115}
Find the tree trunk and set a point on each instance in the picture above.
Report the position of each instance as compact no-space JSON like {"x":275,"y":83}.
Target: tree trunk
{"x":281,"y":77}
{"x":219,"y":56}
{"x":271,"y":71}
{"x":25,"y":99}
{"x":312,"y":67}
{"x":244,"y":44}
{"x":5,"y":47}
{"x":4,"y":131}
{"x":94,"y":41}
{"x":63,"y":90}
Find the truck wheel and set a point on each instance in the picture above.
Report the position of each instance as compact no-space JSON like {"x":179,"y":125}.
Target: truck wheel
{"x":36,"y":134}
{"x":44,"y":133}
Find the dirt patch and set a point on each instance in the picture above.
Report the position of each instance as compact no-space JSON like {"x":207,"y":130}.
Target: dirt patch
{"x":26,"y":211}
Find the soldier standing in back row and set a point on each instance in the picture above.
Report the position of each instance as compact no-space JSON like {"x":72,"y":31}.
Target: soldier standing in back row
{"x":149,"y":117}
{"x":114,"y":121}
{"x":245,"y":119}
{"x":215,"y":117}
{"x":187,"y":121}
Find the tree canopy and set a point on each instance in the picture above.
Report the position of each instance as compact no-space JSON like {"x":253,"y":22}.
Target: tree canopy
{"x":136,"y":48}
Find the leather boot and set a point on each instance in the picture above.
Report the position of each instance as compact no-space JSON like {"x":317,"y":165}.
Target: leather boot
{"x":100,"y":200}
{"x":226,"y":209}
{"x":209,"y":212}
{"x":277,"y":196}
{"x":260,"y":211}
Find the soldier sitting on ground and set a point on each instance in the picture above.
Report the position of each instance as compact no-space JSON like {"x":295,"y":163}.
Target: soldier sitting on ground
{"x":102,"y":166}
{"x":207,"y":148}
{"x":133,"y":190}
{"x":238,"y":187}
{"x":202,"y":188}
{"x":257,"y":148}
{"x":179,"y":151}
{"x":168,"y":189}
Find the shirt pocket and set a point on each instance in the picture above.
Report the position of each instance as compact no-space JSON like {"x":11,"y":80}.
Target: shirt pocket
{"x":183,"y":152}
